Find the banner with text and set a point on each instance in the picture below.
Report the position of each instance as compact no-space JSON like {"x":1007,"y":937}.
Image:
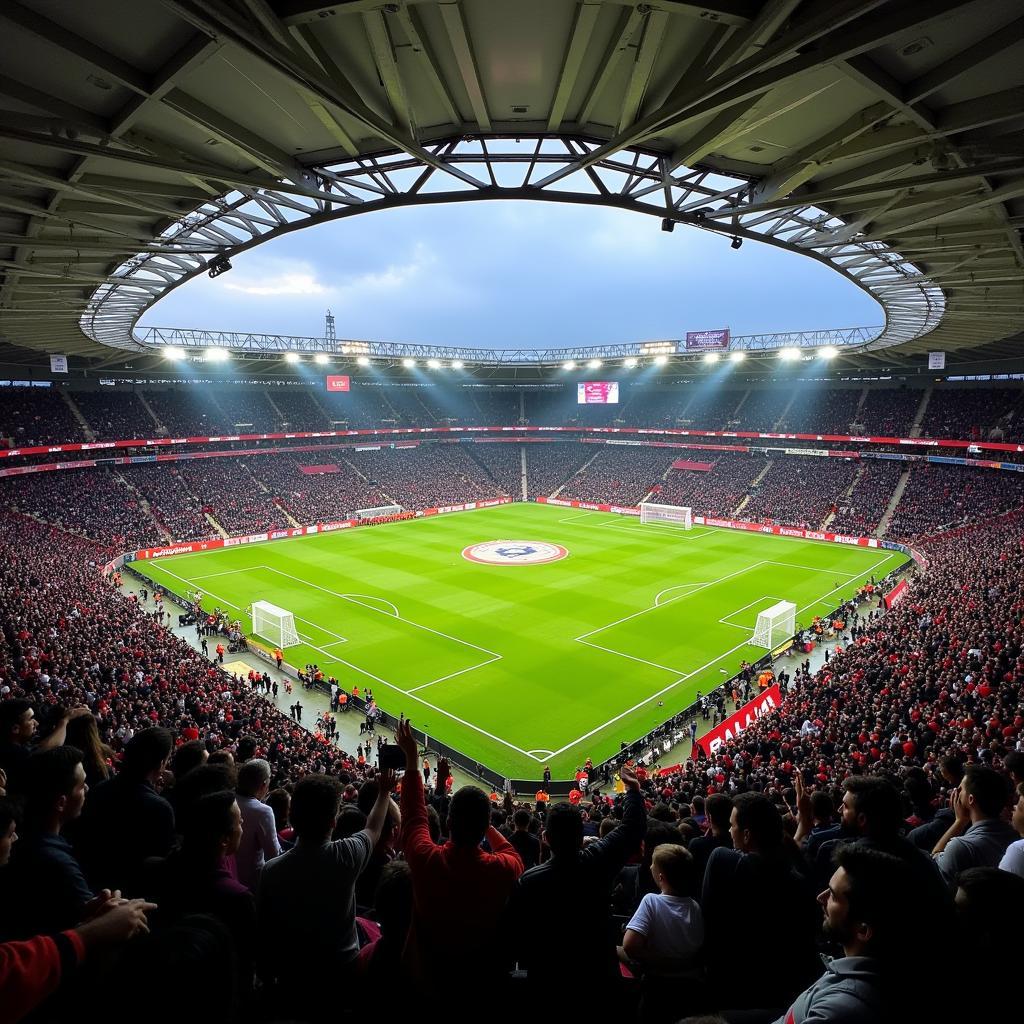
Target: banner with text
{"x":707,"y":341}
{"x":735,"y":725}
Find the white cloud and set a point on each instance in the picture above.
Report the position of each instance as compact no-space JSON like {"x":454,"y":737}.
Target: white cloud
{"x":392,"y":279}
{"x":294,"y":282}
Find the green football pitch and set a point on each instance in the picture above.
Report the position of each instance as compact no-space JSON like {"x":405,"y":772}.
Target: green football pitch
{"x":522,"y":665}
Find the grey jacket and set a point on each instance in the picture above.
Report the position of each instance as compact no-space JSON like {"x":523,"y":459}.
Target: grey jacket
{"x":849,"y":992}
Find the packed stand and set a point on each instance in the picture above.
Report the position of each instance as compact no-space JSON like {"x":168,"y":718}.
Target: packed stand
{"x":711,"y":408}
{"x":171,"y":504}
{"x":938,"y":497}
{"x":974,"y":414}
{"x":248,"y":410}
{"x":623,"y":475}
{"x":114,"y":415}
{"x":227,"y":490}
{"x":494,"y":407}
{"x":426,"y":476}
{"x":93,"y":502}
{"x":800,"y":490}
{"x":317,"y":497}
{"x":36,"y":416}
{"x":550,"y":464}
{"x":817,"y":410}
{"x":761,"y":409}
{"x":889,"y":412}
{"x":503,"y":463}
{"x":299,"y":411}
{"x":363,"y":406}
{"x":717,"y":491}
{"x":862,"y":511}
{"x":188,"y":412}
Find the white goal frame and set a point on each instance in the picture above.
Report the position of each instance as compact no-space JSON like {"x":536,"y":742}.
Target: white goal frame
{"x":652,"y":512}
{"x":380,"y":510}
{"x":274,"y":624}
{"x":775,"y":625}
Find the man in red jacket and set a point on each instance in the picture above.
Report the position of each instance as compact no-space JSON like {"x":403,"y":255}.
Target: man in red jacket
{"x":459,"y":890}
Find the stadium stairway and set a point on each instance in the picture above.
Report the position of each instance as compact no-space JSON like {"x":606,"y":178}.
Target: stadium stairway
{"x":897,"y":495}
{"x":220,"y":531}
{"x":144,"y":505}
{"x":77,"y":413}
{"x":277,"y":412}
{"x":915,"y":429}
{"x":779,"y":423}
{"x":844,"y":498}
{"x":753,"y":483}
{"x":149,"y":409}
{"x":558,"y":490}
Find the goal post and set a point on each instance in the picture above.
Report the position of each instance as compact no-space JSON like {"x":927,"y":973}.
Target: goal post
{"x":274,"y":624}
{"x":651,"y":512}
{"x":380,"y":510}
{"x":775,"y":625}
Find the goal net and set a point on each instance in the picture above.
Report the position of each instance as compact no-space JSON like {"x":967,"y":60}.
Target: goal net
{"x":775,"y":625}
{"x":274,"y":624}
{"x":380,"y":510}
{"x":650,"y":512}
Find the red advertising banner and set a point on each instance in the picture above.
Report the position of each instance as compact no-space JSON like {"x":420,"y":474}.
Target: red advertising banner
{"x":897,"y":594}
{"x":707,"y":341}
{"x":696,"y":467}
{"x":735,"y":725}
{"x":187,"y":548}
{"x":327,"y":467}
{"x":338,"y":382}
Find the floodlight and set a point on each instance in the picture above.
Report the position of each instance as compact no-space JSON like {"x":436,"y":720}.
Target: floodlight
{"x":291,"y":357}
{"x":737,"y":356}
{"x":710,"y":357}
{"x":569,"y":365}
{"x":828,"y":352}
{"x":174,"y":353}
{"x":321,"y":358}
{"x":408,"y":363}
{"x":217,"y":355}
{"x":457,"y":364}
{"x":736,"y":242}
{"x":660,"y":360}
{"x":630,"y":363}
{"x":363,"y":361}
{"x":434,"y":364}
{"x":594,"y":364}
{"x":789,"y":353}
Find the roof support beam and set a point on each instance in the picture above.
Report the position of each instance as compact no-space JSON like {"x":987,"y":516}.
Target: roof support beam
{"x":647,"y":53}
{"x":582,"y":29}
{"x":629,"y":25}
{"x":383,"y":48}
{"x":451,"y":16}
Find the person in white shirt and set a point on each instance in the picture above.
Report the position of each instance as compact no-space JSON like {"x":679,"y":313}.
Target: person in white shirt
{"x":259,"y":832}
{"x":1013,"y":859}
{"x":667,"y":929}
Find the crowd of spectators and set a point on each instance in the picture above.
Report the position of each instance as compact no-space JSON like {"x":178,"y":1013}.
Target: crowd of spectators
{"x":889,"y":412}
{"x":35,"y":416}
{"x":299,"y":411}
{"x":95,"y":503}
{"x":552,"y":463}
{"x":800,"y":491}
{"x":623,"y":474}
{"x":111,"y":415}
{"x":503,"y":463}
{"x":711,"y":408}
{"x":862,"y":511}
{"x":818,"y":410}
{"x":938,"y":497}
{"x":425,"y":476}
{"x":168,"y":817}
{"x":717,"y":491}
{"x":227,"y":489}
{"x":316,"y":497}
{"x":188,"y":412}
{"x":247,"y":411}
{"x":171,"y":504}
{"x":364,"y":405}
{"x":973,"y":414}
{"x":760,"y":410}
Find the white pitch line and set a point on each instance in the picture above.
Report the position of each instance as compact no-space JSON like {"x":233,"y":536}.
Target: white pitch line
{"x":229,"y":572}
{"x":668,"y":590}
{"x":452,"y":675}
{"x":643,"y":611}
{"x":724,"y":620}
{"x":418,"y":625}
{"x":647,"y":700}
{"x":814,"y":568}
{"x":621,"y":654}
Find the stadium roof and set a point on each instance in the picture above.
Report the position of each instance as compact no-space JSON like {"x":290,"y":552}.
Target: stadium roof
{"x":144,"y":141}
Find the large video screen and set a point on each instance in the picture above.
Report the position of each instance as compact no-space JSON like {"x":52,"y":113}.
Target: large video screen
{"x":597,"y":392}
{"x":338,"y":382}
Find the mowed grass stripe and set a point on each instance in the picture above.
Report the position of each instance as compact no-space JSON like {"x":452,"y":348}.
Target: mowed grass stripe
{"x":547,"y":690}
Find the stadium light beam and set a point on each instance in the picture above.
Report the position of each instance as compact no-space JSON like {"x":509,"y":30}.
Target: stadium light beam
{"x":408,"y":363}
{"x":434,"y":364}
{"x":457,"y":364}
{"x":292,"y":357}
{"x":828,"y":352}
{"x":594,"y":364}
{"x":363,"y":361}
{"x":789,"y":354}
{"x":218,"y":355}
{"x":174,"y":353}
{"x":630,"y":363}
{"x":321,"y":358}
{"x":737,"y":356}
{"x":660,"y":360}
{"x":569,"y":364}
{"x":711,"y":357}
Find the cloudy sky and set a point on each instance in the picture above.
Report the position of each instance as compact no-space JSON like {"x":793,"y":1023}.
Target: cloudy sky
{"x":514,"y":274}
